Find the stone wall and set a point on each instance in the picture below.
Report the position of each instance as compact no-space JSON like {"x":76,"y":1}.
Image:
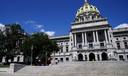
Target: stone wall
{"x":4,"y":69}
{"x":12,"y":69}
{"x":15,"y":67}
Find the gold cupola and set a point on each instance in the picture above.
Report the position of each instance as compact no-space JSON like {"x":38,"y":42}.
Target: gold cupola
{"x":87,"y":12}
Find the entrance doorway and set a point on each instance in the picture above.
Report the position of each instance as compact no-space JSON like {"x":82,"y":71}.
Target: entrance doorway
{"x":91,"y":57}
{"x":104,"y":56}
{"x":80,"y":57}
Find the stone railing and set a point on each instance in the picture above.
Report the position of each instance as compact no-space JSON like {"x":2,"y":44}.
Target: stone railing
{"x":4,"y":69}
{"x":15,"y":67}
{"x":12,"y":69}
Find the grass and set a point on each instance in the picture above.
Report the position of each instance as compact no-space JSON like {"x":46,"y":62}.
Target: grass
{"x":4,"y":66}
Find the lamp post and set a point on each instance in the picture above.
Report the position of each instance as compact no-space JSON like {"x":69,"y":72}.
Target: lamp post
{"x":46,"y":59}
{"x":31,"y":54}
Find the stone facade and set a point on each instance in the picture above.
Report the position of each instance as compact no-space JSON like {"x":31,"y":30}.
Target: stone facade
{"x":120,"y":42}
{"x":92,"y":39}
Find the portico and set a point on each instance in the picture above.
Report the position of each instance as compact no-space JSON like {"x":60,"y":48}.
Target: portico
{"x":90,"y":34}
{"x":89,"y":39}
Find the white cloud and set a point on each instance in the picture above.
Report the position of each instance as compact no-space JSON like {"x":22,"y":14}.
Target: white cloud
{"x":124,"y":25}
{"x":49,"y":33}
{"x":30,"y":22}
{"x":38,"y":26}
{"x":42,"y":30}
{"x":34,"y":23}
{"x":2,"y":25}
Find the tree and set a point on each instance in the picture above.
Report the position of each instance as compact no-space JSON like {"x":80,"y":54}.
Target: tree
{"x":2,"y":46}
{"x":13,"y":40}
{"x":40,"y":47}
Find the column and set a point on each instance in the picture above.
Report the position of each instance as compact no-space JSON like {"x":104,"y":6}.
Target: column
{"x":97,"y":36}
{"x":96,"y":58}
{"x":87,"y":56}
{"x":84,"y":18}
{"x":79,"y":20}
{"x":3,"y":59}
{"x":75,"y":39}
{"x":100,"y":57}
{"x":94,"y":36}
{"x":83,"y":39}
{"x":83,"y":57}
{"x":106,"y":38}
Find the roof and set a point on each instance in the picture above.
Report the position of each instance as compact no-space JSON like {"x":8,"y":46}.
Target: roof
{"x":60,"y":37}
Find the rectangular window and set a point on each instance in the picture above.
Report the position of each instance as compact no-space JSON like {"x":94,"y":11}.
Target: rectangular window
{"x":67,"y":59}
{"x":79,"y":37}
{"x":61,"y":49}
{"x":61,"y":59}
{"x":121,"y":57}
{"x":90,"y":45}
{"x":18,"y":59}
{"x":118,"y":45}
{"x":80,"y":46}
{"x":101,"y":44}
{"x":126,"y":45}
{"x":66,"y":48}
{"x":127,"y":57}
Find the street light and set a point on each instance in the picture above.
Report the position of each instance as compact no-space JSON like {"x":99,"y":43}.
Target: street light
{"x":31,"y":54}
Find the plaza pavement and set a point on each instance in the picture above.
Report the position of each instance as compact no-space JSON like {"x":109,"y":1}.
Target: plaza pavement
{"x":106,"y":68}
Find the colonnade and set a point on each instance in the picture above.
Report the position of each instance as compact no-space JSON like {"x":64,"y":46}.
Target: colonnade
{"x":95,"y":37}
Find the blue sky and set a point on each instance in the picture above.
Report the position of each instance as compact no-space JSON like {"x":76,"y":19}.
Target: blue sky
{"x":56,"y":15}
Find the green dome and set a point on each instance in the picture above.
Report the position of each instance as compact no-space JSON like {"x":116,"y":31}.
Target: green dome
{"x":87,"y":8}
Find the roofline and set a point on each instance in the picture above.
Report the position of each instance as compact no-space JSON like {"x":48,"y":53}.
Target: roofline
{"x":57,"y":37}
{"x":120,"y":29}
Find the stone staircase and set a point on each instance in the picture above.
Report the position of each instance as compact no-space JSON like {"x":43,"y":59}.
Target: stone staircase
{"x":106,"y":68}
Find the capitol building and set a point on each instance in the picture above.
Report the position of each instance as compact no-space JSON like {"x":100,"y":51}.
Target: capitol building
{"x":92,"y":38}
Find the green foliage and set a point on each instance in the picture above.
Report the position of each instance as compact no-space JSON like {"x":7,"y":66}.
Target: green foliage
{"x":2,"y":52}
{"x":13,"y":40}
{"x":4,"y":66}
{"x":40,"y":46}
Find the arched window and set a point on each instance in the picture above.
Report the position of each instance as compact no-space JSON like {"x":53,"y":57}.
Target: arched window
{"x":91,"y":57}
{"x":80,"y":57}
{"x":104,"y":56}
